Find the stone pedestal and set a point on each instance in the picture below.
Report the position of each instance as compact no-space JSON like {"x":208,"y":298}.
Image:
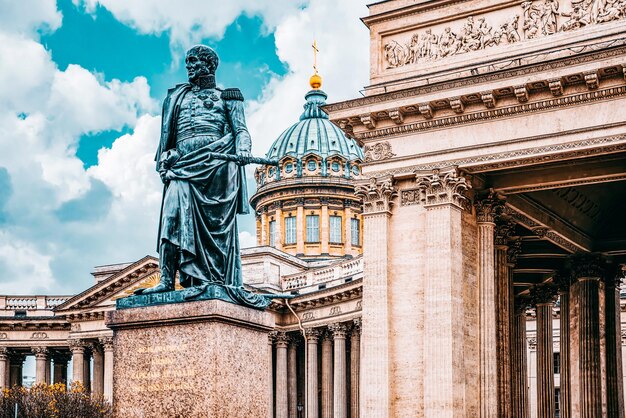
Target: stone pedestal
{"x":187,"y":359}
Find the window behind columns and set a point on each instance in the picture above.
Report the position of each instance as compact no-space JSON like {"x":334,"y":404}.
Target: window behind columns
{"x":272,"y":233}
{"x":557,"y":363}
{"x":290,"y":230}
{"x":335,"y":229}
{"x":312,"y":228}
{"x":355,"y":229}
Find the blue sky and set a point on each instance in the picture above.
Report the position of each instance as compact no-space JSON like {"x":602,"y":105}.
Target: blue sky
{"x":83,"y":82}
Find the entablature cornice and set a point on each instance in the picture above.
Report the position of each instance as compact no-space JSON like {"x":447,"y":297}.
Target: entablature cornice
{"x":347,"y":291}
{"x":478,"y":106}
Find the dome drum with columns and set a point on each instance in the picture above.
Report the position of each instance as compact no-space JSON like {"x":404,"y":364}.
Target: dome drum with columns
{"x":306,"y":206}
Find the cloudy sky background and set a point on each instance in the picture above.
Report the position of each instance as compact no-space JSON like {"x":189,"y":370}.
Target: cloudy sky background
{"x":81,"y":87}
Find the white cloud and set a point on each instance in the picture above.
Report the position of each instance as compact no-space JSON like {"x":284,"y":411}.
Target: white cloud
{"x":23,"y":269}
{"x":190,"y":21}
{"x":27,"y":17}
{"x":344,"y":64}
{"x":246,"y":239}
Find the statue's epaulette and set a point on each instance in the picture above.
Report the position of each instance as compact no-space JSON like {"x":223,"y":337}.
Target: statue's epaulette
{"x":232,"y":94}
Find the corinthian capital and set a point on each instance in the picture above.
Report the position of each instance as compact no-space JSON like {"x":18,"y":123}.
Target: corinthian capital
{"x":377,"y":194}
{"x":443,"y":187}
{"x":489,"y":205}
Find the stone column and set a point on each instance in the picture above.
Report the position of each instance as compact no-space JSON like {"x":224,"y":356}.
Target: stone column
{"x":563,"y":283}
{"x":282,"y":406}
{"x":339,"y":371}
{"x":487,"y":208}
{"x":300,"y":226}
{"x":41,"y":360}
{"x":264,"y":227}
{"x":324,"y":227}
{"x":587,"y":272}
{"x":270,"y":345}
{"x":504,"y":313}
{"x":87,"y":370}
{"x":107,"y":386}
{"x":4,"y":366}
{"x":444,"y":346}
{"x":279,"y":237}
{"x":98,"y":370}
{"x":377,"y":198}
{"x":543,"y":298}
{"x":355,"y":366}
{"x":78,"y":362}
{"x":519,"y":380}
{"x":60,"y":368}
{"x":614,"y":377}
{"x":347,"y":227}
{"x":327,"y":375}
{"x":292,"y":377}
{"x":312,"y":409}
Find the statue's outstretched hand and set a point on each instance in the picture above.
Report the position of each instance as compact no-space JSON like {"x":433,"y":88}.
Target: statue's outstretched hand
{"x":243,"y":157}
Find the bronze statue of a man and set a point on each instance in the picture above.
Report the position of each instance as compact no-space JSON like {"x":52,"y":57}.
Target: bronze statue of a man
{"x":204,"y":145}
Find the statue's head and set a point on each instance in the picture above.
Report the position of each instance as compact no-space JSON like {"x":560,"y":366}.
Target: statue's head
{"x":201,"y":61}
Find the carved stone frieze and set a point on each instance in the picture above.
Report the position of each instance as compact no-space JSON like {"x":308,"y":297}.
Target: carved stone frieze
{"x":532,"y":19}
{"x":377,"y":194}
{"x":489,"y":205}
{"x":378,"y":152}
{"x":410,"y":197}
{"x":441,"y":187}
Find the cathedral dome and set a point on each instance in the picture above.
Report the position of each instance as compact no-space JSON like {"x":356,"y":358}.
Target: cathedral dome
{"x":315,"y":135}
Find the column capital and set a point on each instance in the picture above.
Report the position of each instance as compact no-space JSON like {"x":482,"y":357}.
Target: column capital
{"x":356,"y":327}
{"x":281,"y":339}
{"x":446,"y":186}
{"x":521,"y":305}
{"x":77,"y":346}
{"x":562,"y":281}
{"x":489,"y":205}
{"x":377,"y":194}
{"x":586,"y":265}
{"x":107,"y":343}
{"x":4,"y":353}
{"x":514,"y":249}
{"x":505,"y":230}
{"x":312,"y":334}
{"x":543,"y":294}
{"x":339,"y":330}
{"x":40,"y":352}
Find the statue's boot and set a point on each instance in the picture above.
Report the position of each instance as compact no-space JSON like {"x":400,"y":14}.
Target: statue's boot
{"x":194,"y":291}
{"x":169,"y":265}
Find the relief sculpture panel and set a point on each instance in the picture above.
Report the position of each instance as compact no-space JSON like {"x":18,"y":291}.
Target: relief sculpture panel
{"x":531,"y":19}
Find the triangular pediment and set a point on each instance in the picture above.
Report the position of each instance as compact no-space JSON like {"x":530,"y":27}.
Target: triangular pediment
{"x":142,"y":273}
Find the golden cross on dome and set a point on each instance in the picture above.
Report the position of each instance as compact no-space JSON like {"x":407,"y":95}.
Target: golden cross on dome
{"x":315,"y":51}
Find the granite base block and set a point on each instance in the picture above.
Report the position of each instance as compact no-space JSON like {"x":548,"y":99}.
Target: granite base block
{"x":192,"y":360}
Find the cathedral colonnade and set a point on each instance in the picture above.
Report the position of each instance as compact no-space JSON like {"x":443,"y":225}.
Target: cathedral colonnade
{"x":318,"y":374}
{"x":92,"y":364}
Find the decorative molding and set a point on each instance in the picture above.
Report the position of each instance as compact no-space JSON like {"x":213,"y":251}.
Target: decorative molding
{"x":39,"y":336}
{"x":533,"y":19}
{"x":368,"y":121}
{"x":378,"y":152}
{"x":489,"y":114}
{"x":426,"y":110}
{"x":488,"y":98}
{"x":377,"y":195}
{"x":410,"y":197}
{"x":598,"y":54}
{"x":521,"y":92}
{"x":534,"y":155}
{"x":457,"y":105}
{"x":443,"y":187}
{"x":396,"y":116}
{"x":591,"y":79}
{"x":556,"y":87}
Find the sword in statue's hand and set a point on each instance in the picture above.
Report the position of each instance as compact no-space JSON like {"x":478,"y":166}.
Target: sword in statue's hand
{"x":242,"y":160}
